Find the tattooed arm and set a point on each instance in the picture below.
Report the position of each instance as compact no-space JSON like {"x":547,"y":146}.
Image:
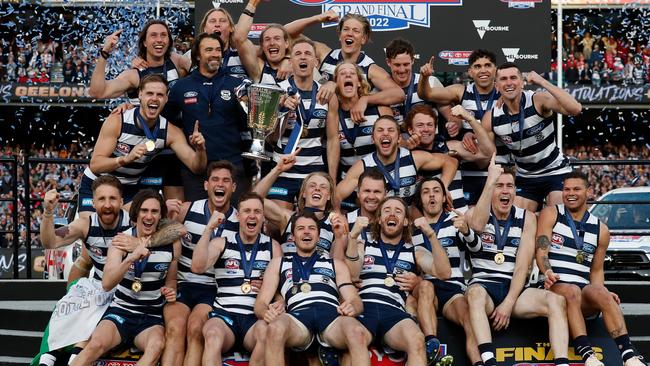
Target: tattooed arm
{"x":56,"y":238}
{"x":545,"y":225}
{"x":168,"y":232}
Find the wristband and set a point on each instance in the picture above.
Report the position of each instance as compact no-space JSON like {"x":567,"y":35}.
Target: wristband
{"x":105,"y":54}
{"x":345,"y":284}
{"x":248,"y":12}
{"x":352,"y":259}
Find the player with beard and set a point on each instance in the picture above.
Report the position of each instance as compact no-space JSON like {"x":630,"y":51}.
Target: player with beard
{"x":398,"y":165}
{"x":372,"y":190}
{"x":128,"y":142}
{"x":311,"y":284}
{"x":315,"y":195}
{"x":354,"y":33}
{"x":477,"y":97}
{"x":455,"y":236}
{"x":571,"y":249}
{"x":184,"y":318}
{"x":239,"y":262}
{"x":307,"y":124}
{"x":269,"y":63}
{"x":208,"y":96}
{"x":423,"y":135}
{"x":354,"y":136}
{"x":386,"y":258}
{"x":525,"y":124}
{"x":145,"y":280}
{"x":498,"y":288}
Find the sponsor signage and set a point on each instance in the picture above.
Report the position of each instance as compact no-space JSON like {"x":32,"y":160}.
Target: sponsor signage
{"x":513,"y":29}
{"x":45,"y":93}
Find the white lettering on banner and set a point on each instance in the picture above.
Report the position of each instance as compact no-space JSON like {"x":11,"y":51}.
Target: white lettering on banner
{"x":7,"y":262}
{"x":483,"y":26}
{"x":512,"y":54}
{"x":608,"y":94}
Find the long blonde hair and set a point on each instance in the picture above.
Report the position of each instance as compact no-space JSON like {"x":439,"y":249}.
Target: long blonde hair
{"x":303,"y":188}
{"x":364,"y":86}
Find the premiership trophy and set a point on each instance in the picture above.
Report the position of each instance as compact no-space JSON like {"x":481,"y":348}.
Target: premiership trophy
{"x":262,"y":109}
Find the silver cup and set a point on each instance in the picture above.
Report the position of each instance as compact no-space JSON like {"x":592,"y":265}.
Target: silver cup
{"x":262,"y":108}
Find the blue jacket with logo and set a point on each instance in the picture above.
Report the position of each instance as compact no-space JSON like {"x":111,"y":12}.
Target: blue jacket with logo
{"x":213,"y":103}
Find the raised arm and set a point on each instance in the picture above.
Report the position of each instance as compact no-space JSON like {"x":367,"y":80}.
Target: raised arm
{"x":297,"y":27}
{"x":435,"y":262}
{"x":246,"y":49}
{"x":65,"y":235}
{"x":554,"y":99}
{"x":437,"y":94}
{"x":345,"y":187}
{"x":333,"y":143}
{"x":195,"y":159}
{"x":100,"y":87}
{"x":207,"y":250}
{"x":479,"y":215}
{"x":434,"y":161}
{"x":355,"y":250}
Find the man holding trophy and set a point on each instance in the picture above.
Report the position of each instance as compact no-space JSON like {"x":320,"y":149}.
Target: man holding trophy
{"x":208,"y":96}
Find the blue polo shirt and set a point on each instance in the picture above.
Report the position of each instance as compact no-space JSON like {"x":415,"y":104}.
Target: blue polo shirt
{"x":213,"y":103}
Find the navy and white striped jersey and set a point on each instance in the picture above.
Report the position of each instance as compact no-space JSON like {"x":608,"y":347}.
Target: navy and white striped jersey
{"x":196,"y":218}
{"x":401,"y":110}
{"x":468,"y":101}
{"x":310,"y":158}
{"x":335,"y":57}
{"x":149,"y":300}
{"x":131,"y":135}
{"x":374,"y":272}
{"x":456,"y":185}
{"x":534,"y":149}
{"x":99,"y":239}
{"x":322,"y":279}
{"x":352,"y":219}
{"x":453,"y":242}
{"x":564,"y":249}
{"x":484,"y":267}
{"x":167,"y":70}
{"x":229,"y":274}
{"x":325,"y":240}
{"x":268,"y":75}
{"x":407,"y":173}
{"x":361,"y":144}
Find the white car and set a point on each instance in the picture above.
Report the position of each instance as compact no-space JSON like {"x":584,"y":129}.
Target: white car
{"x":626,"y":211}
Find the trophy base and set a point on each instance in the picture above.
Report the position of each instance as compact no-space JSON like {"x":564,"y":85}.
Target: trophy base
{"x":256,"y":156}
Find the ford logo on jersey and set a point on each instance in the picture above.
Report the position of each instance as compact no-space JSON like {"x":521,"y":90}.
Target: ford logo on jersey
{"x":324,"y":271}
{"x":515,"y":242}
{"x":367,"y":130}
{"x":403,"y":265}
{"x":320,"y":113}
{"x":445,"y":242}
{"x":160,"y":267}
{"x":589,"y":248}
{"x":261,"y":265}
{"x":534,"y":130}
{"x":407,"y":181}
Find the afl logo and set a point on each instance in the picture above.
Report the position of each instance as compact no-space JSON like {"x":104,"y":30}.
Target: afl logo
{"x":557,"y":239}
{"x":188,"y":237}
{"x":232,"y":264}
{"x":123,"y":148}
{"x":368,"y":260}
{"x":487,"y":238}
{"x":288,"y":274}
{"x":96,"y":251}
{"x":506,"y":140}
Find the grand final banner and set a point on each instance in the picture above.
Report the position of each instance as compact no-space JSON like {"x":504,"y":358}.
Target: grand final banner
{"x":515,"y":30}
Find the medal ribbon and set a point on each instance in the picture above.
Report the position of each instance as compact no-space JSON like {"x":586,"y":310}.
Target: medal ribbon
{"x":351,"y":136}
{"x":302,"y":116}
{"x":479,"y":106}
{"x":501,"y":238}
{"x":436,"y":229}
{"x":393,"y":182}
{"x":138,"y":266}
{"x":390,"y":262}
{"x":579,"y":242}
{"x":304,"y":270}
{"x":143,"y":124}
{"x":409,"y":96}
{"x":247,"y":264}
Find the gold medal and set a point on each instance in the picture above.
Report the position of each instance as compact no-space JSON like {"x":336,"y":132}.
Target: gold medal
{"x":304,"y":133}
{"x":294,"y":289}
{"x":580,"y":257}
{"x":305,"y":288}
{"x":389,"y":281}
{"x":150,"y":145}
{"x":246,"y":287}
{"x":136,"y":286}
{"x":499,"y":258}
